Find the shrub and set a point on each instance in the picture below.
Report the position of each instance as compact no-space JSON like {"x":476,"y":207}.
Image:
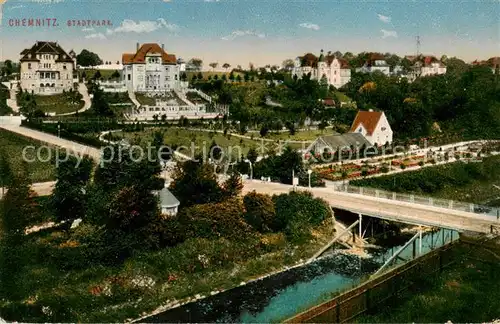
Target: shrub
{"x":215,"y":220}
{"x":259,"y":211}
{"x":402,"y":166}
{"x":421,"y":163}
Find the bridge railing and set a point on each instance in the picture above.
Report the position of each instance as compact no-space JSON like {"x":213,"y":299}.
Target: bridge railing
{"x":421,"y":200}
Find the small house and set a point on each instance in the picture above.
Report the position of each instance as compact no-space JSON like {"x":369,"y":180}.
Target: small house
{"x":335,"y":142}
{"x":374,"y":126}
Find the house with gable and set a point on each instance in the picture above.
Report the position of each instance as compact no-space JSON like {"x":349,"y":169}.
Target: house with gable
{"x":47,"y":69}
{"x":374,"y":126}
{"x":335,"y":70}
{"x":375,"y":62}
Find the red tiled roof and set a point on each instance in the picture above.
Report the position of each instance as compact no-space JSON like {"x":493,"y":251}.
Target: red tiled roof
{"x":312,"y":60}
{"x":329,"y":102}
{"x":369,"y":120}
{"x":150,"y":48}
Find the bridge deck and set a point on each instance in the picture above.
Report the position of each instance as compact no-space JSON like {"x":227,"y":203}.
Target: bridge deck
{"x":388,"y":209}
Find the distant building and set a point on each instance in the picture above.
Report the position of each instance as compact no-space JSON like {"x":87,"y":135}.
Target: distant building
{"x":150,"y":68}
{"x":47,"y":69}
{"x":336,"y":70}
{"x":423,"y":66}
{"x":493,"y":63}
{"x":375,"y":62}
{"x":374,"y":126}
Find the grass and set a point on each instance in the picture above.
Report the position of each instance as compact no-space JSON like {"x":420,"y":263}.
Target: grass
{"x":13,"y":145}
{"x":468,"y":292}
{"x":105,"y":74}
{"x":58,"y":104}
{"x":302,"y":135}
{"x":342,"y":97}
{"x":186,"y":137}
{"x":55,"y":273}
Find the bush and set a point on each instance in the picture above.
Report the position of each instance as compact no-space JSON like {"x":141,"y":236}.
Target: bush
{"x":402,"y":166}
{"x":215,"y":220}
{"x":259,"y":212}
{"x":421,"y":163}
{"x":384,"y":169}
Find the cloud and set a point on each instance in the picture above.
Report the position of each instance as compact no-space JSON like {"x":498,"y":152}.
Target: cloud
{"x":389,"y":33}
{"x":88,"y":29}
{"x":47,"y":1}
{"x":385,"y":19}
{"x":309,"y":26}
{"x":16,"y":7}
{"x":96,"y":36}
{"x":241,"y":33}
{"x":211,"y":0}
{"x":145,"y":26}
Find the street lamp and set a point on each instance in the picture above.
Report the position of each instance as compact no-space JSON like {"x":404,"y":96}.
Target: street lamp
{"x":59,"y":130}
{"x":309,"y":172}
{"x":251,"y":168}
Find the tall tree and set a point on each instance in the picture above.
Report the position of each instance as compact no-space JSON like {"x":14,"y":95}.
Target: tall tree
{"x":233,"y":186}
{"x":213,"y":65}
{"x":196,"y":63}
{"x":69,"y":196}
{"x":226,"y":66}
{"x":100,"y":105}
{"x":87,"y":58}
{"x":288,"y":65}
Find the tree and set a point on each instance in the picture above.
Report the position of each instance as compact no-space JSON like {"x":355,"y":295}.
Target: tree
{"x":213,"y":65}
{"x":115,"y":75}
{"x":247,"y":77}
{"x":233,"y":186}
{"x":97,"y":75}
{"x":264,"y":130}
{"x":8,"y":68}
{"x":100,"y":105}
{"x":238,"y":78}
{"x":260,"y":212}
{"x":196,"y":63}
{"x":288,"y":65}
{"x":200,"y":76}
{"x":252,"y":155}
{"x":231,"y":76}
{"x":184,"y":76}
{"x":215,"y":151}
{"x":226,"y":66}
{"x":5,"y":172}
{"x":69,"y":196}
{"x":195,"y":183}
{"x":87,"y":58}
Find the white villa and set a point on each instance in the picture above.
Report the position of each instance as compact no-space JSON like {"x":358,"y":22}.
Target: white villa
{"x":335,"y":70}
{"x":374,"y":126}
{"x":376,"y":62}
{"x":150,"y":68}
{"x":428,"y":65}
{"x":46,"y":69}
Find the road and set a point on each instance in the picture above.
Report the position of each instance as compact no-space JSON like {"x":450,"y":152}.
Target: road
{"x":388,"y":209}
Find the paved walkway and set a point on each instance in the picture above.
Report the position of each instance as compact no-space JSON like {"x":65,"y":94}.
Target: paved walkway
{"x":82,"y":89}
{"x":70,"y":146}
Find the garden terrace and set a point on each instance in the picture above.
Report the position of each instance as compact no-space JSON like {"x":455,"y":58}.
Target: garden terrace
{"x":195,"y":98}
{"x":59,"y":104}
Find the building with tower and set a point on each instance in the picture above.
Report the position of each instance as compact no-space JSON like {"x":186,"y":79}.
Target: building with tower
{"x":336,"y":71}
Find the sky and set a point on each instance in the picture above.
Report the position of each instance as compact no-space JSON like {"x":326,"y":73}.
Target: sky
{"x":259,"y":31}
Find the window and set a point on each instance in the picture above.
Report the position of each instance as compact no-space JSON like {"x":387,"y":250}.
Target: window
{"x":360,"y":129}
{"x":64,"y":66}
{"x":176,"y":77}
{"x":129,"y":77}
{"x":29,"y":66}
{"x":383,"y":129}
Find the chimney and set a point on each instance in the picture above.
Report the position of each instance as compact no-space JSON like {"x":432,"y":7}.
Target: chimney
{"x":370,"y":110}
{"x":137,"y":49}
{"x":163,"y":47}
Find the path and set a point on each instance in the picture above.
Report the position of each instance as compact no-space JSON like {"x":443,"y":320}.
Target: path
{"x":82,"y":89}
{"x":70,"y":146}
{"x":12,"y":102}
{"x":131,"y":95}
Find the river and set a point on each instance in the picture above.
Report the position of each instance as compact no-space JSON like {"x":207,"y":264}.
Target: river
{"x":283,"y":295}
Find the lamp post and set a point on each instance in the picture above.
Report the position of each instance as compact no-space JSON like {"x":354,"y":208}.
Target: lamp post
{"x":251,"y":168}
{"x":59,"y":130}
{"x":309,"y":172}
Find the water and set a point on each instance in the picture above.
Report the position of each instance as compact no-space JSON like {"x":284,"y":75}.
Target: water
{"x":283,"y":295}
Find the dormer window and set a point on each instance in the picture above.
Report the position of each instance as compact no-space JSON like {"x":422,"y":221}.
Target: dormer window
{"x":29,"y":55}
{"x":360,"y":129}
{"x":383,"y":129}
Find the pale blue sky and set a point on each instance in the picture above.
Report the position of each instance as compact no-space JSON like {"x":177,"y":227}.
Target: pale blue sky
{"x":261,"y":31}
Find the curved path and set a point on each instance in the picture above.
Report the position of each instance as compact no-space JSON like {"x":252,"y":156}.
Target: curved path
{"x":82,"y":89}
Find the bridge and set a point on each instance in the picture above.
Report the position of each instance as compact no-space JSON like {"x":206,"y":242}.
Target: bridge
{"x":388,"y":209}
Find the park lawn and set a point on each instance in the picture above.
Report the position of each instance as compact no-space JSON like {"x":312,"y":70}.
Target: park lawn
{"x":201,"y":140}
{"x":56,"y":272}
{"x":342,"y":97}
{"x":13,"y":144}
{"x":468,"y":292}
{"x":105,"y":74}
{"x":302,"y":135}
{"x":58,"y":104}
